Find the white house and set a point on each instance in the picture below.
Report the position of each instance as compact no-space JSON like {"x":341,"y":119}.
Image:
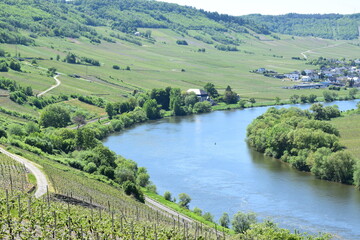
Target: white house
{"x":293,"y":76}
{"x":201,"y":94}
{"x":306,"y":79}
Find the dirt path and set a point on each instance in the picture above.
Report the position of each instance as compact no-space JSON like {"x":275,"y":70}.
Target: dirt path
{"x":158,"y":206}
{"x":311,"y":51}
{"x":58,"y":82}
{"x":41,"y":180}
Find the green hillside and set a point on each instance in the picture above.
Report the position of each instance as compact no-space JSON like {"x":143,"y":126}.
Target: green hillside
{"x":330,"y":26}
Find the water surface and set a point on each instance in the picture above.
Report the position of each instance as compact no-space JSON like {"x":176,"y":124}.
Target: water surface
{"x":206,"y":156}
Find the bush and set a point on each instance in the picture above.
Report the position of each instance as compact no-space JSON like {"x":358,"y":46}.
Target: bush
{"x":181,"y":42}
{"x":90,"y":167}
{"x":131,"y":190}
{"x":167,"y":196}
{"x":197,"y":211}
{"x":202,"y":107}
{"x":208,"y":217}
{"x":116,"y":67}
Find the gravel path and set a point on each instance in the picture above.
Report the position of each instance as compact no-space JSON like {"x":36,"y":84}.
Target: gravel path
{"x":58,"y":82}
{"x":41,"y":180}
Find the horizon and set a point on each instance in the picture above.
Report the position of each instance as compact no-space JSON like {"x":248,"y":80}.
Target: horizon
{"x":236,"y":8}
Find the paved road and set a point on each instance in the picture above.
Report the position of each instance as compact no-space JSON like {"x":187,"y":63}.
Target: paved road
{"x":154,"y":204}
{"x":58,"y":82}
{"x":41,"y":180}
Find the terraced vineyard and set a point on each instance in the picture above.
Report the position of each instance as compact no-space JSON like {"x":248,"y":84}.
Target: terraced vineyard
{"x":13,"y":176}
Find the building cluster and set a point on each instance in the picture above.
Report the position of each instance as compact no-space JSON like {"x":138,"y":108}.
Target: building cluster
{"x":324,"y":77}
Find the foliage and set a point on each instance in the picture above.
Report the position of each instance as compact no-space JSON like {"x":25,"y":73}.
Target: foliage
{"x":151,"y":109}
{"x":184,"y":200}
{"x":211,"y":90}
{"x":224,"y":220}
{"x":299,"y":138}
{"x":167,"y":196}
{"x":55,"y":116}
{"x":202,"y":107}
{"x":242,"y":221}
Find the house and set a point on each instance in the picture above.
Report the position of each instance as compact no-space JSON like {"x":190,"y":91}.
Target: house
{"x":201,"y":94}
{"x":261,"y":70}
{"x":306,"y":79}
{"x":138,"y":34}
{"x":308,"y":72}
{"x":293,"y":76}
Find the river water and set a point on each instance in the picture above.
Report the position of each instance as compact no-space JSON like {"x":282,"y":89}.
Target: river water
{"x":207,"y":157}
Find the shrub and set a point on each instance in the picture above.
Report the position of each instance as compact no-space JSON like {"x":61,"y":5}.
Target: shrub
{"x":116,"y":67}
{"x":167,"y":196}
{"x":90,"y":167}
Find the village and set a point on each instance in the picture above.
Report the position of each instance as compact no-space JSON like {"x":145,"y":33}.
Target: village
{"x":339,"y":75}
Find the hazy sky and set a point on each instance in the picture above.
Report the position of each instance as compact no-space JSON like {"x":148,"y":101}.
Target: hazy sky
{"x":273,"y":7}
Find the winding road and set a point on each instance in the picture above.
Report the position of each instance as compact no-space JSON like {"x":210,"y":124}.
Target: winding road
{"x":42,"y":183}
{"x":58,"y":82}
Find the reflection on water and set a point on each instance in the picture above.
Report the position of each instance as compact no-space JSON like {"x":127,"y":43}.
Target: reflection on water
{"x":207,"y":157}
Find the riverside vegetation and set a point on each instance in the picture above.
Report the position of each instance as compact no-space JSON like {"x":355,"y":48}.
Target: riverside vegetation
{"x":307,"y":141}
{"x":116,"y":59}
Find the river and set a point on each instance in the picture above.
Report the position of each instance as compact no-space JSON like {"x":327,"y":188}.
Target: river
{"x":206,"y":156}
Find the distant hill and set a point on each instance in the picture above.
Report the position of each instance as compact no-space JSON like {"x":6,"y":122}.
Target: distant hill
{"x":22,"y":21}
{"x":330,"y":26}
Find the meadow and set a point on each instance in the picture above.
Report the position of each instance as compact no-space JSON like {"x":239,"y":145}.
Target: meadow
{"x":349,"y":128}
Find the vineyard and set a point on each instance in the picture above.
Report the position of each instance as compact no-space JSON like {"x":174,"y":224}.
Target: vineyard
{"x":82,"y":208}
{"x":13,"y":175}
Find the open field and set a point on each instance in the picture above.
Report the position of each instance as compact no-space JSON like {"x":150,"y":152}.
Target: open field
{"x":349,"y":127}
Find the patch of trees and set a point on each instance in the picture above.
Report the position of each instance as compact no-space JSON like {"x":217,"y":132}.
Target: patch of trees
{"x":227,"y":48}
{"x":304,"y":140}
{"x":73,"y":59}
{"x":96,"y":101}
{"x":182,"y":42}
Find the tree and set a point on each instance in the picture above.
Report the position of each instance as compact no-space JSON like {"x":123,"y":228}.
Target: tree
{"x":208,"y":217}
{"x":294,"y":98}
{"x":277,"y":100}
{"x":224,"y":220}
{"x":55,"y":116}
{"x":252,"y":101}
{"x":167,"y":196}
{"x":353,"y":92}
{"x":197,"y":211}
{"x":242,"y":221}
{"x":4,"y":67}
{"x":242,"y":103}
{"x":230,"y":97}
{"x":131,"y":189}
{"x":303,"y":99}
{"x":328,"y":96}
{"x":142,"y":179}
{"x":202,"y":107}
{"x":211,"y":90}
{"x":184,"y":200}
{"x":110,"y":110}
{"x":15,"y":65}
{"x":191,"y":99}
{"x":312,"y":98}
{"x":79,"y":119}
{"x":151,"y":109}
{"x":70,"y":58}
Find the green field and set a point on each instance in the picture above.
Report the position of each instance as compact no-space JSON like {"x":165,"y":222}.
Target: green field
{"x":349,"y":127}
{"x":160,"y":65}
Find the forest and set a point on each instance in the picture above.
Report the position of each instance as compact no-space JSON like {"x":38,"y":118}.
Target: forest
{"x":330,"y":26}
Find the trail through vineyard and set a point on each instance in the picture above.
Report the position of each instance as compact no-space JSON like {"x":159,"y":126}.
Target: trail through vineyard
{"x":41,"y":181}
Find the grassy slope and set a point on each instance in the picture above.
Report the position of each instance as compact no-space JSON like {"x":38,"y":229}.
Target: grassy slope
{"x":159,"y":65}
{"x":349,"y":127}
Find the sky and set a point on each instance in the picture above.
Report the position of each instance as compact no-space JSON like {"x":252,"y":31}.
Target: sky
{"x":273,"y":7}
